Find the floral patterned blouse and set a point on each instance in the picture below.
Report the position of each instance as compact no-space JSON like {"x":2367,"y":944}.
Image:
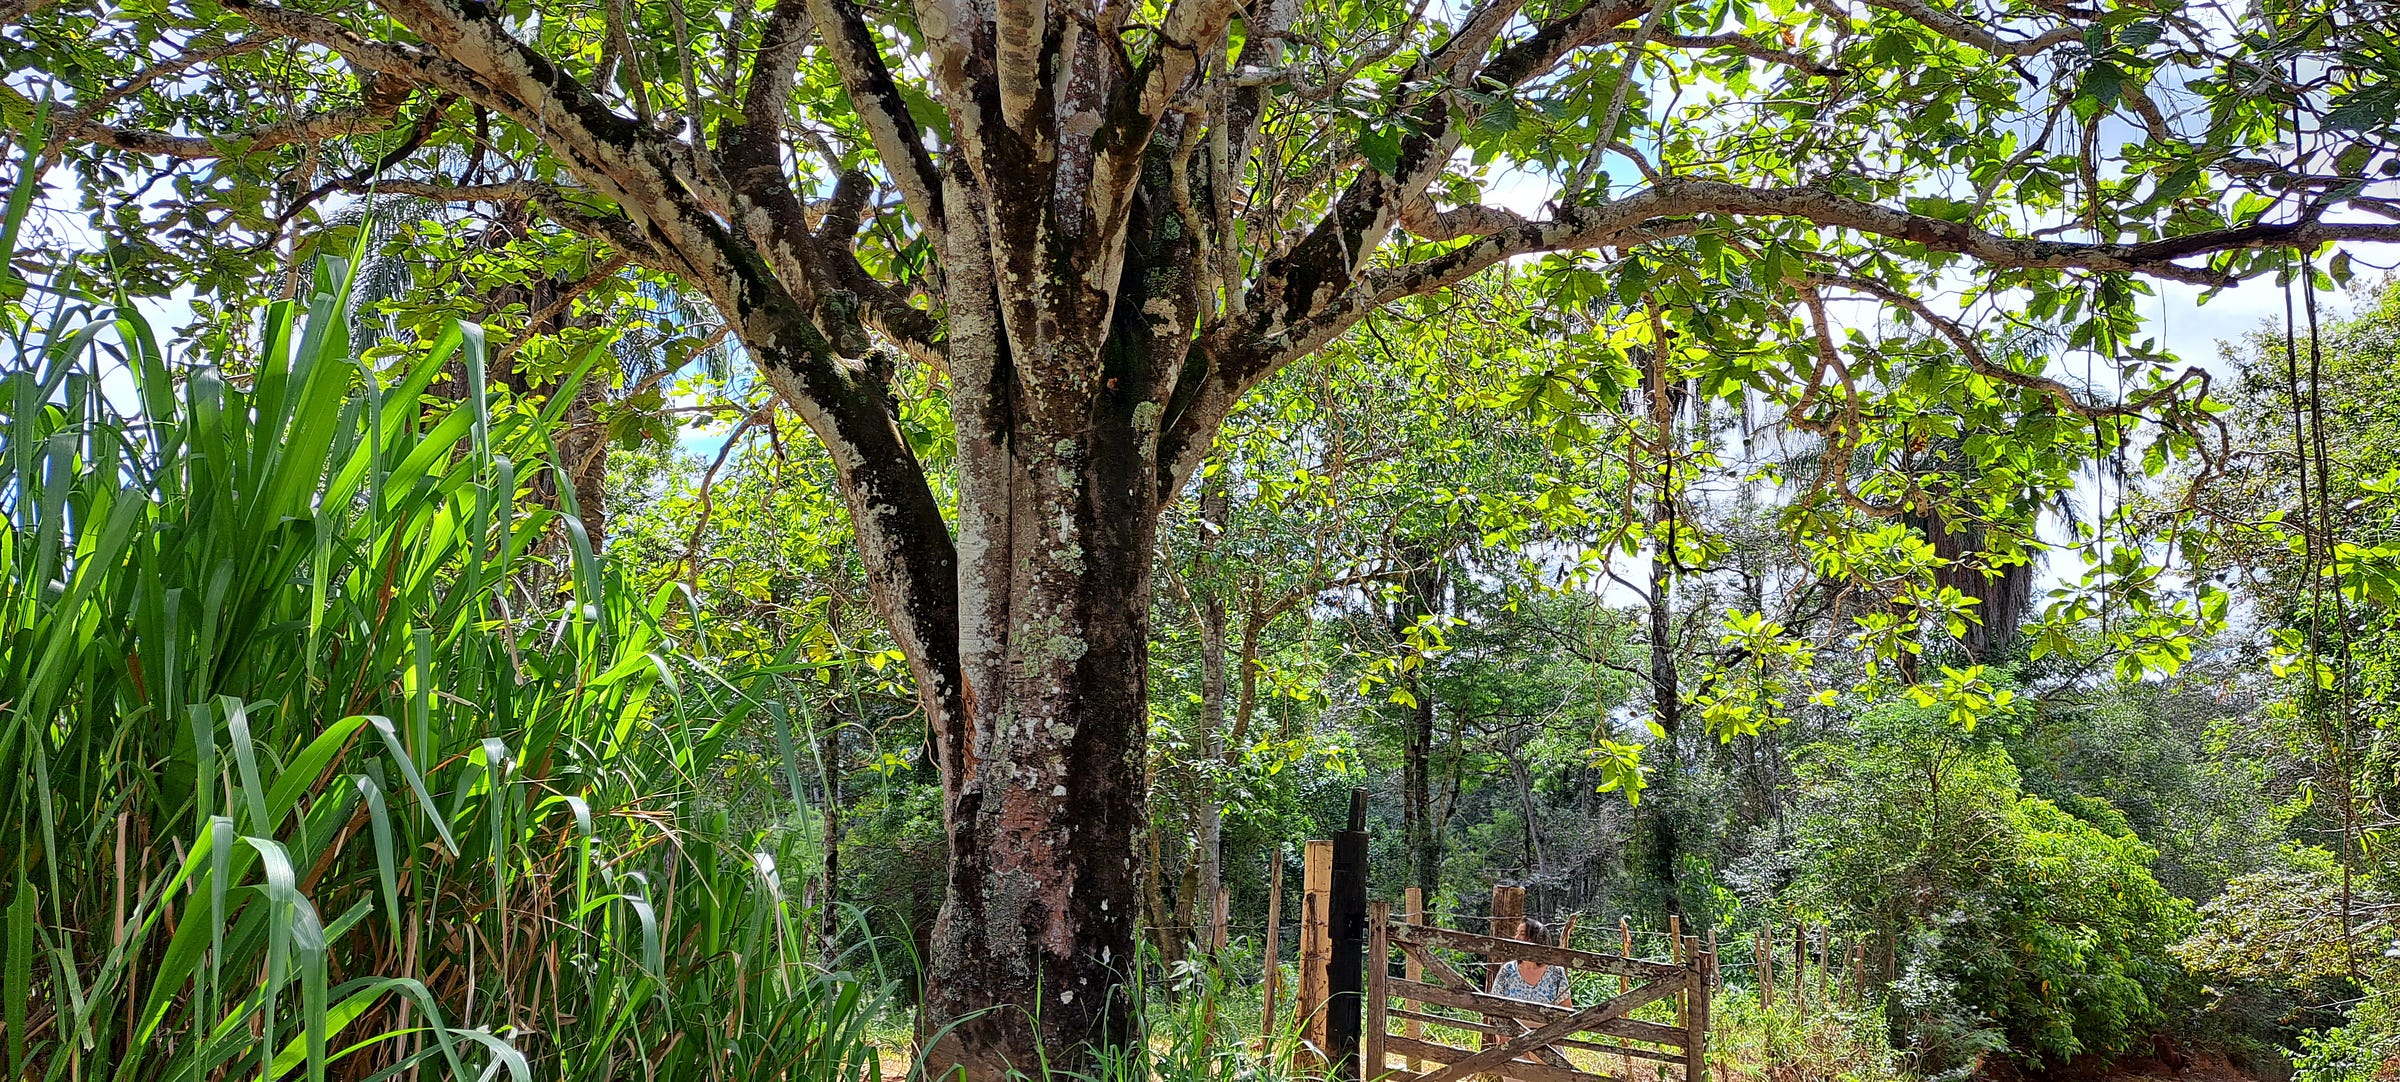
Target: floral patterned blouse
{"x":1511,"y":984}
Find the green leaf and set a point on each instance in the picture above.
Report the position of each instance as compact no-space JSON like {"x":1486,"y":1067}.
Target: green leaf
{"x":17,"y":987}
{"x":1500,"y":119}
{"x":2104,"y":83}
{"x":1632,"y":278}
{"x":1381,"y":146}
{"x":2372,"y":109}
{"x":1893,"y":48}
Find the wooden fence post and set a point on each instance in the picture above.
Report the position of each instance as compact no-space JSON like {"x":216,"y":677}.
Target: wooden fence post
{"x":1507,"y":918}
{"x":1625,"y":933}
{"x":1221,"y":921}
{"x":1508,"y":908}
{"x":1266,"y":1023}
{"x":1415,"y":900}
{"x":1347,"y":938}
{"x":1379,"y":979}
{"x":1765,"y":945}
{"x":1825,"y":970}
{"x":1677,"y":953}
{"x":1316,"y":946}
{"x":1695,"y":1022}
{"x":1800,"y":967}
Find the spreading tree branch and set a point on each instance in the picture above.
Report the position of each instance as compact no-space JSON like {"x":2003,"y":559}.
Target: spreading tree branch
{"x":898,"y":142}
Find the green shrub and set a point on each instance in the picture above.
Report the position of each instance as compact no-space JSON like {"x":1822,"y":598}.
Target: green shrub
{"x":2276,"y":947}
{"x":2016,"y":925}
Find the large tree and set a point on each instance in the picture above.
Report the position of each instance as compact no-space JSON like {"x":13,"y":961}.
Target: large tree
{"x":1105,"y":222}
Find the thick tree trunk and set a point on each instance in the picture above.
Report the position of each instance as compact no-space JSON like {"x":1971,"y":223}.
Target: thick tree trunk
{"x":583,"y":447}
{"x":1060,"y":486}
{"x":1043,"y":867}
{"x":2004,"y":593}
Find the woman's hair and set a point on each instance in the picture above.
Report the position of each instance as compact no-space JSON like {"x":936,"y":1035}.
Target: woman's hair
{"x":1532,"y":931}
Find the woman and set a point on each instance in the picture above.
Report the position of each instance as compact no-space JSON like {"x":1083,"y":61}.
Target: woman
{"x":1531,"y":982}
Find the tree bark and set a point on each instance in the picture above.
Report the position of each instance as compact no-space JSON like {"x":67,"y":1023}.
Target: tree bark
{"x":1666,"y":696}
{"x":1061,"y":482}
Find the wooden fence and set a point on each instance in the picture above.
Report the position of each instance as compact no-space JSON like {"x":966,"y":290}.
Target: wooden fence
{"x":1521,"y":1039}
{"x":1834,"y":977}
{"x":1348,"y":1000}
{"x":1802,"y":968}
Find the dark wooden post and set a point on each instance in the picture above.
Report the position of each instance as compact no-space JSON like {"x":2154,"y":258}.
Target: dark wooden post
{"x":1343,"y":985}
{"x":1825,"y":966}
{"x":1679,"y":950}
{"x":1625,"y":933}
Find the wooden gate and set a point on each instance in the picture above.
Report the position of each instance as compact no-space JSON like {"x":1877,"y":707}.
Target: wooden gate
{"x":1532,"y":1042}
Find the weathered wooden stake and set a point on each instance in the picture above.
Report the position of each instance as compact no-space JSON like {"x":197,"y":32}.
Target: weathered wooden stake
{"x":1508,"y":910}
{"x":1800,"y":967}
{"x":1765,"y":943}
{"x":1677,"y":951}
{"x":1625,"y":931}
{"x":1316,"y":941}
{"x":1266,"y":1024}
{"x":1695,"y":1022}
{"x":1508,"y":917}
{"x":1825,"y":970}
